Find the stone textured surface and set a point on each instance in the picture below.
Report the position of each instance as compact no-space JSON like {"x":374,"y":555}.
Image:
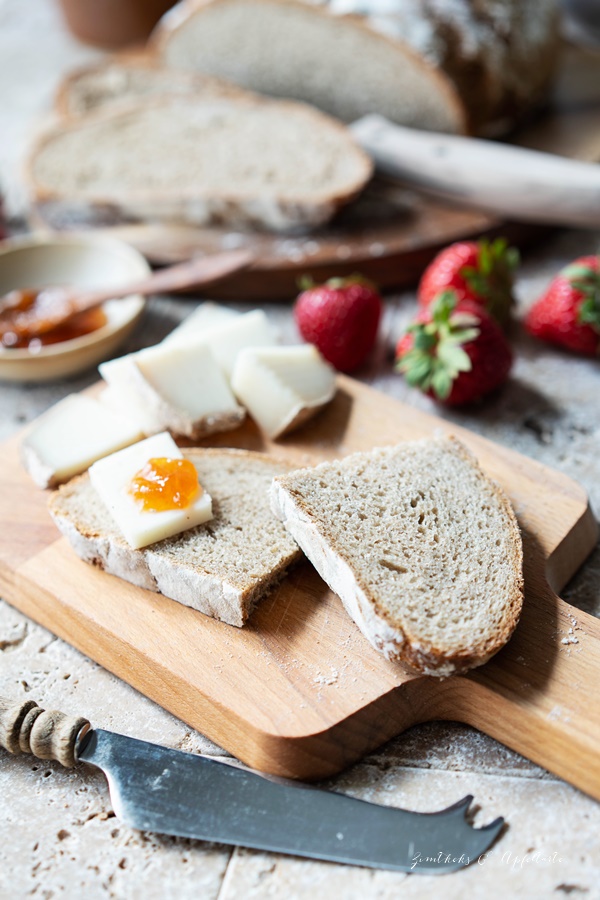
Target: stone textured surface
{"x":58,"y":837}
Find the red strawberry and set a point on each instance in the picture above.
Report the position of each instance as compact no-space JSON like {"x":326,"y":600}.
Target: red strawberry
{"x":569,"y":312}
{"x":341,"y":318}
{"x":481,"y":271}
{"x":455,"y":352}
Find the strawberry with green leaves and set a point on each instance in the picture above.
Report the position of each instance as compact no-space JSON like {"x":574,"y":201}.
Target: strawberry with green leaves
{"x":479,"y":271}
{"x":568,"y":313}
{"x":454,"y":352}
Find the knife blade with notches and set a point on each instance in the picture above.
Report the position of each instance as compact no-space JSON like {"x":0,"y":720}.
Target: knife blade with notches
{"x":155,"y":788}
{"x":512,"y":181}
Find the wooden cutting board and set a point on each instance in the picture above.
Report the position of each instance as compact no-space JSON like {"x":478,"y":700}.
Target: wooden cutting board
{"x":299,"y":691}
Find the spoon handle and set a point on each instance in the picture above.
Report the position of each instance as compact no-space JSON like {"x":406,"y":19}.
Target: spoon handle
{"x":195,"y":273}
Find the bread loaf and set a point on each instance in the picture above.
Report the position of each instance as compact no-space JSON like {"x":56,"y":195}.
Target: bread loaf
{"x":422,"y":548}
{"x":441,"y":65}
{"x":222,"y":568}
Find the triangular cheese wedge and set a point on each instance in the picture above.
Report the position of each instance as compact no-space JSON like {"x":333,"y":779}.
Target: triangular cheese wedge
{"x":281,"y":387}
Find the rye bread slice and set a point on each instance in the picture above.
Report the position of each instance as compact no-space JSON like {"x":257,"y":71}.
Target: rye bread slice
{"x":222,"y":568}
{"x":423,"y":549}
{"x":270,"y":164}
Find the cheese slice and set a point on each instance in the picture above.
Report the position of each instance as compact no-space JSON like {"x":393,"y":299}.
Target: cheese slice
{"x":72,"y":435}
{"x":202,"y":321}
{"x":111,"y":478}
{"x":178,"y":387}
{"x":227,"y":339}
{"x":281,"y":387}
{"x":127,"y":403}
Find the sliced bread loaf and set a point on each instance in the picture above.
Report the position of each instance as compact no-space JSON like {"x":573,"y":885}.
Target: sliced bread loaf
{"x":421,"y":546}
{"x":294,"y":49}
{"x":441,"y":66}
{"x":125,"y":79}
{"x":222,"y":568}
{"x":277,"y":165}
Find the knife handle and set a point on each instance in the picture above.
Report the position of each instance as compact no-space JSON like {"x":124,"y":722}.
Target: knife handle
{"x":501,"y":178}
{"x":48,"y":734}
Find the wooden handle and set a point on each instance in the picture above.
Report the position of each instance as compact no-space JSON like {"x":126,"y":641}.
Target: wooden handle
{"x":539,"y":695}
{"x":193,"y":273}
{"x":521,"y":184}
{"x":48,"y":734}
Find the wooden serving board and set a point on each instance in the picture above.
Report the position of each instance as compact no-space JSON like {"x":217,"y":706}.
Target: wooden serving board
{"x":299,"y":691}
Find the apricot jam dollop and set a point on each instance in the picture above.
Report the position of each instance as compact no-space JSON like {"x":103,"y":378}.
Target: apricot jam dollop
{"x":164,"y":483}
{"x":21,"y":306}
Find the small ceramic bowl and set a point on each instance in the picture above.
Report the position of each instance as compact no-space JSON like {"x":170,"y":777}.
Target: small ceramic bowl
{"x":86,"y":261}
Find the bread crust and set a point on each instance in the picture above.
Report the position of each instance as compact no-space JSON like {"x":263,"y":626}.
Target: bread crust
{"x":384,"y":631}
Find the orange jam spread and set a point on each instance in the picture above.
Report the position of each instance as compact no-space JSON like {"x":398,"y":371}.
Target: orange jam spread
{"x":23,"y":303}
{"x":165,"y":483}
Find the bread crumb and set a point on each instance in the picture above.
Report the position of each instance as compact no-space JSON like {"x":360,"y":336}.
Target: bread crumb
{"x":327,"y":679}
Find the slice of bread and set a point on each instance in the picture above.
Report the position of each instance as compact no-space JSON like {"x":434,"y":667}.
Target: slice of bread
{"x":222,"y":568}
{"x":277,"y":165}
{"x":421,"y":546}
{"x":124,"y":79}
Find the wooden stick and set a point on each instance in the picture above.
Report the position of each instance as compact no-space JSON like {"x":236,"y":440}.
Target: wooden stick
{"x":48,"y":734}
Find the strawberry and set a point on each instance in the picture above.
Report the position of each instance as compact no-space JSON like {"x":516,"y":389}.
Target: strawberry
{"x":569,"y":312}
{"x":341,"y":318}
{"x":454,"y":351}
{"x":480,"y":271}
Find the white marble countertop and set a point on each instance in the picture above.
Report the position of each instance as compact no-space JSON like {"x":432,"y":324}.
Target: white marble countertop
{"x":58,"y":835}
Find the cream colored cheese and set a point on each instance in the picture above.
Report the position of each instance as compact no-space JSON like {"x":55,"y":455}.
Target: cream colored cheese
{"x":282,"y":386}
{"x":228,"y":338}
{"x":72,"y":435}
{"x":111,"y":478}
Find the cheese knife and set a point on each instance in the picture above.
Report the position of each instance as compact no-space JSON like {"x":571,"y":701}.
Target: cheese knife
{"x":158,"y":789}
{"x":515,"y":182}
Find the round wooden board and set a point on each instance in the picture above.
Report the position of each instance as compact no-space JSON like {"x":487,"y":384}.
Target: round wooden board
{"x":388,"y":235}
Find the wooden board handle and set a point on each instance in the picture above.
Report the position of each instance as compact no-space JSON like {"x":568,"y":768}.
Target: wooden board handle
{"x":539,"y":695}
{"x":48,"y":734}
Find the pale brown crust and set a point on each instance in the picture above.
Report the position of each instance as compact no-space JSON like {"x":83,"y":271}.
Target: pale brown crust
{"x":176,"y":17}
